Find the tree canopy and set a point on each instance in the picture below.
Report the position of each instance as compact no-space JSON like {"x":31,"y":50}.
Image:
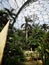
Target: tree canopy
{"x":10,"y":11}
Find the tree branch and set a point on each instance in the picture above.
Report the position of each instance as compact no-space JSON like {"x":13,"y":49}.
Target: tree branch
{"x":27,"y":2}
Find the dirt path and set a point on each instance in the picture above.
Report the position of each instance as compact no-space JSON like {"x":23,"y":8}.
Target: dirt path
{"x":32,"y":63}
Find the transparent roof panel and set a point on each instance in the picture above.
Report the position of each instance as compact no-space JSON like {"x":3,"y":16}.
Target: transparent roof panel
{"x":38,"y":11}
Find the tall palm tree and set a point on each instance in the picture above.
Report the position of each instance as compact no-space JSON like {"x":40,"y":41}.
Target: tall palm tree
{"x":26,"y":26}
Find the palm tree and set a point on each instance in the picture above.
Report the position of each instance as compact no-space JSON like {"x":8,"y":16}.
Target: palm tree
{"x":13,"y":15}
{"x":45,"y":27}
{"x":27,"y":26}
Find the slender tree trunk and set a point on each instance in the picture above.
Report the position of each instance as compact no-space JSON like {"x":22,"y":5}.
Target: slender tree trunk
{"x":26,"y":36}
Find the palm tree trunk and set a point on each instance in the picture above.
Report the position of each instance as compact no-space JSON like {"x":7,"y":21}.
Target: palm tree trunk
{"x":26,"y":36}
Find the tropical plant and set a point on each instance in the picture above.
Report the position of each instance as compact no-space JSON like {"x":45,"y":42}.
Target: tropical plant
{"x":12,"y":52}
{"x":34,"y":37}
{"x":45,"y":26}
{"x":15,"y":15}
{"x":27,"y":26}
{"x":3,"y":19}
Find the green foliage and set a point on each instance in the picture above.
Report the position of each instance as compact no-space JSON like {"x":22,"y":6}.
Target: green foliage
{"x":40,"y":38}
{"x":13,"y":56}
{"x":3,"y":19}
{"x":13,"y":50}
{"x":37,"y":38}
{"x":34,"y":38}
{"x":13,"y":53}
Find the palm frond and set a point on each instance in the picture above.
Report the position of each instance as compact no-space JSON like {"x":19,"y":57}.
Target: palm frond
{"x":22,"y":25}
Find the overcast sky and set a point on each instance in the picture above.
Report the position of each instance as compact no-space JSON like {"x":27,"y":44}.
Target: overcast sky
{"x":40,"y":8}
